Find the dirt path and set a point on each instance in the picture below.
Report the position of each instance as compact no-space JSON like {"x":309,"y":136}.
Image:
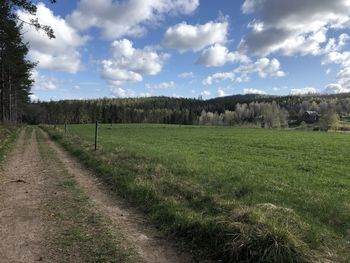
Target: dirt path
{"x":25,"y":182}
{"x":148,"y":243}
{"x":22,"y":187}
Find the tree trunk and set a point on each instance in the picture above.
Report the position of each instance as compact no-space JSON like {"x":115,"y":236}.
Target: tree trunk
{"x":10,"y":97}
{"x":2,"y":95}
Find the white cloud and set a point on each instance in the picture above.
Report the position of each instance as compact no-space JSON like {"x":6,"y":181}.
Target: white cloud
{"x":217,"y":77}
{"x":335,"y":57}
{"x":303,"y":91}
{"x":43,"y":83}
{"x":264,"y":67}
{"x":122,"y":93}
{"x":163,"y":85}
{"x":186,"y":75}
{"x":298,"y":27}
{"x":221,"y":93}
{"x":206,"y":93}
{"x":254,"y":91}
{"x":184,"y":37}
{"x":336,"y":88}
{"x":218,"y":55}
{"x":129,"y":64}
{"x":145,"y":94}
{"x":60,"y":53}
{"x":343,"y":77}
{"x":336,"y":44}
{"x":33,"y":97}
{"x":127,"y":18}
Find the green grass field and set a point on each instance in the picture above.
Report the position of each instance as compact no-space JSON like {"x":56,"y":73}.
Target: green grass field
{"x":239,"y":194}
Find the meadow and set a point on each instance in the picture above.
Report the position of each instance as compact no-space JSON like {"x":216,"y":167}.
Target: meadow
{"x":235,"y":194}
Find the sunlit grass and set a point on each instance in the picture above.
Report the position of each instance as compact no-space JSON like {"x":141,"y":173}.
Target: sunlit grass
{"x":232,"y":186}
{"x":8,"y":135}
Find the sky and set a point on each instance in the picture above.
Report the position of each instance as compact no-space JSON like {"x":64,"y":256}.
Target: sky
{"x":189,"y":48}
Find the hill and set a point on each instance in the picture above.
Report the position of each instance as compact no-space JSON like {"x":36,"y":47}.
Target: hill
{"x":251,"y":109}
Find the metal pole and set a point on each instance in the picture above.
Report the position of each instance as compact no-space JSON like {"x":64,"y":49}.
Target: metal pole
{"x":96,"y":135}
{"x":65,"y":129}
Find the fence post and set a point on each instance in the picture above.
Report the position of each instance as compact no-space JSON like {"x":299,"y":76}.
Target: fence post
{"x":65,"y":128}
{"x":96,"y":135}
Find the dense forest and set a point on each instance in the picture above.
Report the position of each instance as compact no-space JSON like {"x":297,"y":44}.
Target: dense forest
{"x":15,"y":69}
{"x":257,"y":110}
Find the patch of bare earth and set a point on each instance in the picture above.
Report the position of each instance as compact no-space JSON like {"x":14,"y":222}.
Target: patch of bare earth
{"x":149,"y":244}
{"x":22,"y":189}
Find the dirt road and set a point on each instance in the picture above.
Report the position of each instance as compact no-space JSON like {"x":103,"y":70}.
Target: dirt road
{"x":25,"y":181}
{"x":22,"y":189}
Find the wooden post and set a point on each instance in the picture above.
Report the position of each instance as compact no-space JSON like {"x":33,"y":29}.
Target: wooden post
{"x":96,"y":135}
{"x":65,"y":128}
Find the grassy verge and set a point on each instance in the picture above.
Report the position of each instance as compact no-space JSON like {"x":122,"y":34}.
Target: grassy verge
{"x":28,"y":134}
{"x":8,"y":135}
{"x":79,"y":233}
{"x":239,"y":195}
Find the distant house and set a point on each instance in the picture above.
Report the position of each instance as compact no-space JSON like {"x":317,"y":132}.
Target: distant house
{"x":311,"y":116}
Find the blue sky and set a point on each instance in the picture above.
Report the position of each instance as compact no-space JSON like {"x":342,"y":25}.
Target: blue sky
{"x":190,"y":48}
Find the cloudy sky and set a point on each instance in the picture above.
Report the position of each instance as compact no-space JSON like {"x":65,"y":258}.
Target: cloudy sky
{"x":188,"y":48}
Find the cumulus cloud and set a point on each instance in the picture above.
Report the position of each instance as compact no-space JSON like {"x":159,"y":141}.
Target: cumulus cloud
{"x":126,"y":18}
{"x":343,"y":76}
{"x":335,"y":57}
{"x":33,"y":97}
{"x":129,"y":64}
{"x":217,"y":77}
{"x":218,"y":55}
{"x":42,"y":82}
{"x":163,"y":85}
{"x":59,"y":54}
{"x":122,"y":93}
{"x":264,"y":67}
{"x":303,"y":91}
{"x":336,"y":88}
{"x":221,"y":93}
{"x":336,"y":44}
{"x":254,"y":91}
{"x":298,"y":27}
{"x":206,"y":93}
{"x":184,"y":37}
{"x":119,"y":92}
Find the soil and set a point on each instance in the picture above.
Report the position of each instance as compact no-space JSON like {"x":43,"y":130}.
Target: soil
{"x":22,"y":189}
{"x":24,"y":181}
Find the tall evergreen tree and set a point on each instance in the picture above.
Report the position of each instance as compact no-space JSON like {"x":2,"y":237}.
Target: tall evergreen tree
{"x":15,"y":81}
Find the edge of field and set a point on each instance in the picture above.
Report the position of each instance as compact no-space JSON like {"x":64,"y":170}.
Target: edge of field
{"x":75,"y":224}
{"x":245,"y":239}
{"x":8,"y":135}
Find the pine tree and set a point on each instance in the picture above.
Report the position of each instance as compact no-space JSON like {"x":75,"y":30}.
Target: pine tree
{"x":15,"y":76}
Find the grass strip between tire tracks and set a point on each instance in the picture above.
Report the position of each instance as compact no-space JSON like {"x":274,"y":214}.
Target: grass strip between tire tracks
{"x":79,"y":232}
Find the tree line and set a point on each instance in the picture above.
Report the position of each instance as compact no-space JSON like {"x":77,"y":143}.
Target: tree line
{"x":15,"y":69}
{"x":258,"y":114}
{"x":256,"y":110}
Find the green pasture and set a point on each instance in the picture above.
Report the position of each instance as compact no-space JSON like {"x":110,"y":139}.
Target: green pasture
{"x":241,"y":194}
